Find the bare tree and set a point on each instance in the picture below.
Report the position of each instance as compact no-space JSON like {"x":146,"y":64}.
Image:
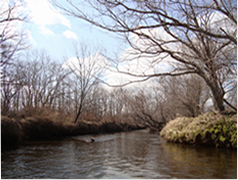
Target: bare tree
{"x":196,"y":35}
{"x":143,"y":105}
{"x":185,"y":95}
{"x":36,"y":80}
{"x":86,"y":68}
{"x":10,"y":87}
{"x":12,"y":39}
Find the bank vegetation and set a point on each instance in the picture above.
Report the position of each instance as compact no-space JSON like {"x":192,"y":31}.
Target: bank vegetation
{"x":43,"y":97}
{"x":48,"y":125}
{"x":209,"y":129}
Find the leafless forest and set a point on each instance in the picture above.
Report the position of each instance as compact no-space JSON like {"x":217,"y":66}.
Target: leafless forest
{"x":203,"y":77}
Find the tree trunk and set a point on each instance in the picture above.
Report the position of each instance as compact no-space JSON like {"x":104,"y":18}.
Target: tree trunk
{"x":218,"y":96}
{"x":78,"y":114}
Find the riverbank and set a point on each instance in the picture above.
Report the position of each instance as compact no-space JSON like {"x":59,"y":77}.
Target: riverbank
{"x":123,"y":155}
{"x":15,"y":131}
{"x":210,"y":129}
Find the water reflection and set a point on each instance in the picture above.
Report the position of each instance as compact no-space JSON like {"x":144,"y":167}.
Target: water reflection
{"x":201,"y":162}
{"x":135,"y":154}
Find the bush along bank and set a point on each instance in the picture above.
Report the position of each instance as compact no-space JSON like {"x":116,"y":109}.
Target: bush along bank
{"x":17,"y":131}
{"x":210,"y":129}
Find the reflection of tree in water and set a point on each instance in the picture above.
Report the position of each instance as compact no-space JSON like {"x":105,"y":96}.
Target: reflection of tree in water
{"x":200,"y":162}
{"x":133,"y":154}
{"x":136,"y":154}
{"x":38,"y":160}
{"x":86,"y":160}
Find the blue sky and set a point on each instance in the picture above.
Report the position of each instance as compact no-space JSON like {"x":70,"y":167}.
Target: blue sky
{"x":55,"y":32}
{"x":49,"y":29}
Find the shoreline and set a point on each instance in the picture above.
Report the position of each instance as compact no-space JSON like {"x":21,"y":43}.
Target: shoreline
{"x":209,"y":129}
{"x":17,"y":132}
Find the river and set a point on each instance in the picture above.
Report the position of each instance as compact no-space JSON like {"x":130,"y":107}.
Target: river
{"x":136,"y":154}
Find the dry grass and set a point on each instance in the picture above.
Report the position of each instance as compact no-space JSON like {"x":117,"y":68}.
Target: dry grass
{"x":44,"y":125}
{"x":11,"y":132}
{"x":211,"y":129}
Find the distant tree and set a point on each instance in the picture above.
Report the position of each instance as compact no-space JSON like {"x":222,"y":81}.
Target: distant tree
{"x":97,"y":102}
{"x":12,"y":39}
{"x":86,"y":68}
{"x":10,"y":88}
{"x":36,"y":81}
{"x":186,"y":95}
{"x":198,"y":36}
{"x":143,"y":105}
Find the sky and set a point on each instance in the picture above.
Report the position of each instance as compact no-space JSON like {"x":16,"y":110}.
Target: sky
{"x":56,"y":33}
{"x":48,"y":29}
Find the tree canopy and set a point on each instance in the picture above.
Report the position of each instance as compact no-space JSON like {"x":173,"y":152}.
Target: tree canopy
{"x":198,"y":36}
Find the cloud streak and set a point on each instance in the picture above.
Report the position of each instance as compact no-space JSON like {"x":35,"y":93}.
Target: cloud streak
{"x":70,"y":35}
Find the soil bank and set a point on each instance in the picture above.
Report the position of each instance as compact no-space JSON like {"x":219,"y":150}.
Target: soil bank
{"x":17,"y":131}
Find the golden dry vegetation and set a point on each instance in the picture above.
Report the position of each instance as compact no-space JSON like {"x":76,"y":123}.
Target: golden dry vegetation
{"x":46,"y":125}
{"x":211,"y":129}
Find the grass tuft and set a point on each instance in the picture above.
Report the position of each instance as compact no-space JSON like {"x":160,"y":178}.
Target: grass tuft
{"x":210,"y":129}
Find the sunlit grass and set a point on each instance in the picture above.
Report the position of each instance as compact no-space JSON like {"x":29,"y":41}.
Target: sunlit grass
{"x":212,"y":129}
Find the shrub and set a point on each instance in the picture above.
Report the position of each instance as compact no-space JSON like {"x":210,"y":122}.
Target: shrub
{"x":211,"y":129}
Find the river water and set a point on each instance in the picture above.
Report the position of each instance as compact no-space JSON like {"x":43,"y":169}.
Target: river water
{"x":136,"y":154}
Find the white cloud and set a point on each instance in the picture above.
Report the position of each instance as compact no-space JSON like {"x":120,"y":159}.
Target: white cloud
{"x":136,"y":62}
{"x":148,"y":63}
{"x":46,"y":31}
{"x":11,"y":31}
{"x":70,"y":35}
{"x":42,"y":13}
{"x":10,"y":27}
{"x":132,"y":61}
{"x":221,"y":23}
{"x":114,"y":79}
{"x":29,"y":37}
{"x":93,"y":65}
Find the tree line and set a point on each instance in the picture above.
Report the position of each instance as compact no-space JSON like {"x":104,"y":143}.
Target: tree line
{"x":203,"y":77}
{"x":200,"y":36}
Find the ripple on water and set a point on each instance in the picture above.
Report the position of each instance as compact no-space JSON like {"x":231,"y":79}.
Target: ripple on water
{"x":136,"y":154}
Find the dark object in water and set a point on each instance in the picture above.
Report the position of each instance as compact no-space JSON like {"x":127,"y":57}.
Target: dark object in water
{"x":92,"y":140}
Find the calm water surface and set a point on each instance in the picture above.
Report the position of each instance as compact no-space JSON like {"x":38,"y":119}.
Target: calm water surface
{"x":136,"y":154}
